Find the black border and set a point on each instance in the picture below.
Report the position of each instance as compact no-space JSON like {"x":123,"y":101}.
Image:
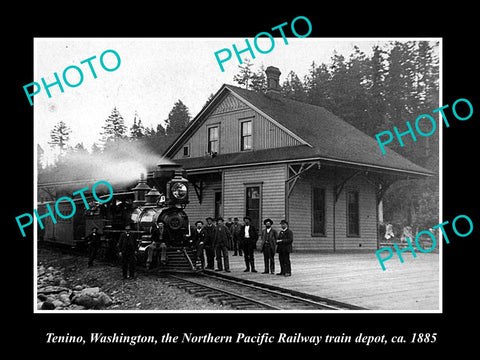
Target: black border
{"x":455,"y":25}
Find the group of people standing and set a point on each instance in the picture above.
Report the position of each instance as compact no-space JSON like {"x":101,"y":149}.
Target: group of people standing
{"x":211,"y":241}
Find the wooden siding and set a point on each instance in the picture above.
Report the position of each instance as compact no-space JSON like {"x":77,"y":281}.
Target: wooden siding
{"x":228,"y":115}
{"x":272,"y":180}
{"x":300,"y":214}
{"x":197,"y":211}
{"x":367,"y":217}
{"x":230,"y":103}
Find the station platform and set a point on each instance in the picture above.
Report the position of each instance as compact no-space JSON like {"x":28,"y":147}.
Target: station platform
{"x":356,"y":278}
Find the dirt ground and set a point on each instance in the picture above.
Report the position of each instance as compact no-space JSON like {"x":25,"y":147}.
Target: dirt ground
{"x":145,"y":292}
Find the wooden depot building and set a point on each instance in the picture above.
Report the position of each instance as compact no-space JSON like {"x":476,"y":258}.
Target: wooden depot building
{"x":266,"y":156}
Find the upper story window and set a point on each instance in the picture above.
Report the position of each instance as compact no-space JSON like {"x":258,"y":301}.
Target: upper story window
{"x":246,"y":142}
{"x":213,"y":139}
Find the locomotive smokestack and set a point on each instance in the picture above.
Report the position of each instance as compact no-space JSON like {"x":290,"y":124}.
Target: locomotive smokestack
{"x":140,"y":190}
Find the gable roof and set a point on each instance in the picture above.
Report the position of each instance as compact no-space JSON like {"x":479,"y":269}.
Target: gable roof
{"x":324,"y":136}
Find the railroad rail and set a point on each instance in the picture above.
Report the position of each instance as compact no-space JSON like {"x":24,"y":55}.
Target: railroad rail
{"x":241,"y":294}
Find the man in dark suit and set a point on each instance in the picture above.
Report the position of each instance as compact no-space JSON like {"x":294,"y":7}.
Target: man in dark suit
{"x":284,"y":248}
{"x":94,"y":243}
{"x":235,"y":230}
{"x":248,"y":241}
{"x":222,"y":238}
{"x":269,"y":242}
{"x":158,"y":247}
{"x":229,"y":224}
{"x":208,"y":245}
{"x":127,"y":246}
{"x":198,"y":239}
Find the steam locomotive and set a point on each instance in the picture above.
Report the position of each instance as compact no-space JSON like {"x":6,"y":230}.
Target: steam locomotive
{"x":140,"y":208}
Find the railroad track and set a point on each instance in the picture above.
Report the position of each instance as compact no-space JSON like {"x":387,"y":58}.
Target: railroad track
{"x":241,"y":294}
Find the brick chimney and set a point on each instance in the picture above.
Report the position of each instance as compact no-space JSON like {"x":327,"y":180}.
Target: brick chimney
{"x":273,"y":80}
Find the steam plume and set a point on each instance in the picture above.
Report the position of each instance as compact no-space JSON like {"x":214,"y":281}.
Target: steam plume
{"x":120,"y":163}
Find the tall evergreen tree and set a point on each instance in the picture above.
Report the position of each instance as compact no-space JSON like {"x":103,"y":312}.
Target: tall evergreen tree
{"x":357,"y":101}
{"x":256,"y":81}
{"x":259,"y":80}
{"x":409,"y":66}
{"x":338,"y":83}
{"x":161,"y":130}
{"x":244,"y":74}
{"x":178,"y":119}
{"x":95,"y":149}
{"x":59,"y":135}
{"x":79,"y":149}
{"x":137,"y":130}
{"x":293,"y":87}
{"x":157,"y":140}
{"x":114,"y":128}
{"x":399,"y":81}
{"x":375,"y":90}
{"x":317,"y":86}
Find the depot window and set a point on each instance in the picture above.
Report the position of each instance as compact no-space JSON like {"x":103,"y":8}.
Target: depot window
{"x":318,"y":211}
{"x":213,"y":139}
{"x":246,"y":142}
{"x":353,"y":216}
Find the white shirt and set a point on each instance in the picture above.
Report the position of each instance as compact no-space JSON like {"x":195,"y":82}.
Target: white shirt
{"x":268,"y":230}
{"x":247,"y":228}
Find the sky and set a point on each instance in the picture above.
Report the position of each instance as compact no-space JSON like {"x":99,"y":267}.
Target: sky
{"x":153,"y":74}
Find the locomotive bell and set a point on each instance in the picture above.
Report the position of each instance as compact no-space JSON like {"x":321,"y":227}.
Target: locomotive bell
{"x":177,"y":190}
{"x":140,"y":190}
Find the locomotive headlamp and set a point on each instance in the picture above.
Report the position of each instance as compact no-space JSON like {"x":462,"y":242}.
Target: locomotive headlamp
{"x":179,"y":191}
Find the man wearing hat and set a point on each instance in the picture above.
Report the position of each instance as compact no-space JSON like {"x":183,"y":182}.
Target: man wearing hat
{"x":158,"y":247}
{"x":222,"y":236}
{"x":284,"y":248}
{"x":208,"y":244}
{"x":94,"y":243}
{"x":229,"y":224}
{"x":269,"y":241}
{"x":235,"y":230}
{"x":127,"y":245}
{"x":248,"y":241}
{"x":198,"y":239}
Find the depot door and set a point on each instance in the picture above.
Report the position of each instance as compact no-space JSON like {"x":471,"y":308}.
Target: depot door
{"x":253,"y":203}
